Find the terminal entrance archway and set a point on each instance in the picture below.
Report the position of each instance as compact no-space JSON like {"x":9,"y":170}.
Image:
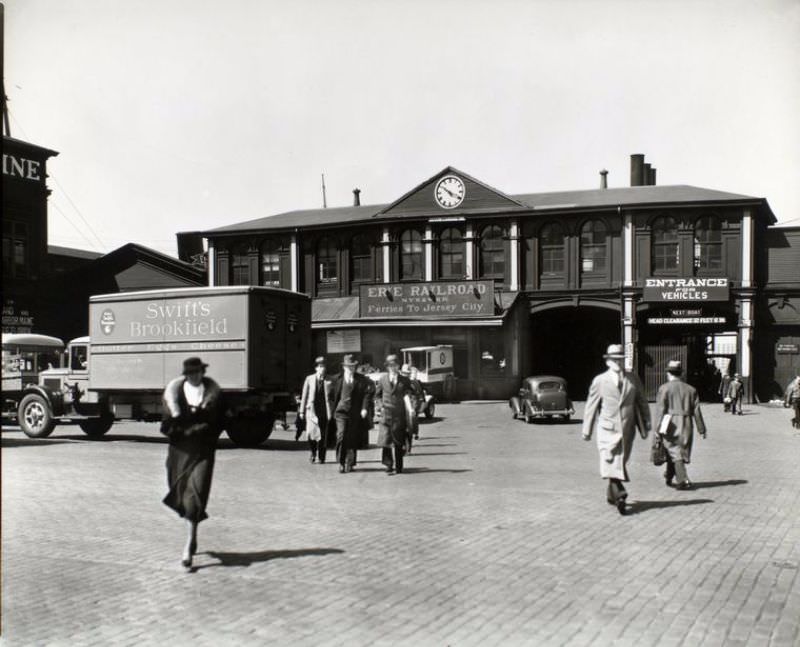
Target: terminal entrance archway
{"x":569,"y":341}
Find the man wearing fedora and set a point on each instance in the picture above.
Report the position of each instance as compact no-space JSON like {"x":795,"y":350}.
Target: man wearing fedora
{"x":316,"y":409}
{"x":352,"y":398}
{"x":735,"y":393}
{"x":392,"y":399}
{"x":678,"y":413}
{"x":617,"y":406}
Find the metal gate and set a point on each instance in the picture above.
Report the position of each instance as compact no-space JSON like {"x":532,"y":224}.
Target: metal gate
{"x":653,"y":365}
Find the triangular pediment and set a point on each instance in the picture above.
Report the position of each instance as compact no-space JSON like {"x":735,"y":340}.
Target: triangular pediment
{"x":450,"y":191}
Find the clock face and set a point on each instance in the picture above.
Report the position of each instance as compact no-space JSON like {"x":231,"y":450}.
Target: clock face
{"x":449,"y":192}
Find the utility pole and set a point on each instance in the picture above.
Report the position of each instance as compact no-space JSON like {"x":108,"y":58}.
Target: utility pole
{"x":324,"y":197}
{"x":6,"y":125}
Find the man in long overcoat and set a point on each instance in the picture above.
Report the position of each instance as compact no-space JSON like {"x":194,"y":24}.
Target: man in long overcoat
{"x":352,"y":397}
{"x":316,"y":409}
{"x":735,"y":393}
{"x":392,"y":394}
{"x":617,"y":405}
{"x":677,"y":415}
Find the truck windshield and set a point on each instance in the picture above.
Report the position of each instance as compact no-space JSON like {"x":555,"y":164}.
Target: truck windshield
{"x":416,"y":358}
{"x":77,"y":358}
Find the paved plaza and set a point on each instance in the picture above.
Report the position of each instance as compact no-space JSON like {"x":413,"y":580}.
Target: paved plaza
{"x":497,"y":534}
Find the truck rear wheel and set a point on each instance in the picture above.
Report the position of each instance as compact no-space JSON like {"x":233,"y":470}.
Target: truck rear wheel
{"x":250,"y":432}
{"x":96,"y":427}
{"x":35,"y":417}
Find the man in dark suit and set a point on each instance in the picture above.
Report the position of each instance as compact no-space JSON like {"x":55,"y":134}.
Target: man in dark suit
{"x":392,"y":399}
{"x":352,"y":397}
{"x":678,"y":416}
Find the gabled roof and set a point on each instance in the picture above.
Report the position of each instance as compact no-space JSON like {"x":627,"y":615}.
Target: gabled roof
{"x":559,"y":201}
{"x":130,"y":253}
{"x":73,"y":252}
{"x":420,"y":198}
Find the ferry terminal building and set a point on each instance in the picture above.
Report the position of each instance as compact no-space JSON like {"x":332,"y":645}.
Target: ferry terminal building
{"x":538,"y":283}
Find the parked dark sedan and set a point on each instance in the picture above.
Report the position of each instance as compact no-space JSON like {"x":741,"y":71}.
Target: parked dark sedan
{"x":542,"y":396}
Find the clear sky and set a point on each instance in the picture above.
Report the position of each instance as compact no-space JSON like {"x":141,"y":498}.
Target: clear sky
{"x":177,"y":115}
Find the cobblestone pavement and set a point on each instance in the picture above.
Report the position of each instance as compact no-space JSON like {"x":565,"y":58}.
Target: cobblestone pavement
{"x":498,"y":534}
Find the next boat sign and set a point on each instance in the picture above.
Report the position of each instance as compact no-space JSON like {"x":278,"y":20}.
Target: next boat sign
{"x":691,"y":289}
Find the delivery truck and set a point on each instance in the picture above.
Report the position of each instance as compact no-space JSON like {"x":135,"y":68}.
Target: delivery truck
{"x":256,"y":341}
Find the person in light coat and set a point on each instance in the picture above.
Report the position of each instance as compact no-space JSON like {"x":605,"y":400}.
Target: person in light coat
{"x":615,"y":407}
{"x":735,"y":393}
{"x":316,"y":409}
{"x":678,"y":415}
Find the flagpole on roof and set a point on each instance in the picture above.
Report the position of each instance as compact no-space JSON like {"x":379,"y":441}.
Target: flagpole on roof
{"x":324,"y":197}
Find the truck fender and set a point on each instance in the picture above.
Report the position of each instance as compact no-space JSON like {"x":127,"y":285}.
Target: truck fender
{"x":54,"y":398}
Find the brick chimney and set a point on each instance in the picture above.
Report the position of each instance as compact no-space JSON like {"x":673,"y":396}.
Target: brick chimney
{"x":637,"y":169}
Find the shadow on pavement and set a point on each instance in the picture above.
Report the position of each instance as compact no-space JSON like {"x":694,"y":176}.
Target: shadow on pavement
{"x":245,"y":559}
{"x":420,"y":441}
{"x":635,"y":507}
{"x":425,"y":470}
{"x":416,"y":453}
{"x":705,"y":484}
{"x":438,"y":438}
{"x":111,"y":437}
{"x":30,"y":442}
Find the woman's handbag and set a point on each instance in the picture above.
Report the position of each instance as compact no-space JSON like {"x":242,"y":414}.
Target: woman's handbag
{"x":658,"y":453}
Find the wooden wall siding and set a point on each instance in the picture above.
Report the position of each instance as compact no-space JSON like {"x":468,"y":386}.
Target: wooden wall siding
{"x":476,"y":196}
{"x":616,"y":260}
{"x":783,"y":256}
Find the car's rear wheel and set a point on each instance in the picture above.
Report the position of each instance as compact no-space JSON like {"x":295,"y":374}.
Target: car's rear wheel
{"x":96,"y":427}
{"x":430,"y":411}
{"x":250,"y":431}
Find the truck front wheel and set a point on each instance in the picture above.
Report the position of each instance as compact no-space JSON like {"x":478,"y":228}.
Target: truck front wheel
{"x":250,"y":431}
{"x":35,"y":417}
{"x":96,"y":427}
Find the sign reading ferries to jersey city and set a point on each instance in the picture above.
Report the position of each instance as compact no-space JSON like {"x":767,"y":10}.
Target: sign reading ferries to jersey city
{"x":431,"y":299}
{"x":691,"y":289}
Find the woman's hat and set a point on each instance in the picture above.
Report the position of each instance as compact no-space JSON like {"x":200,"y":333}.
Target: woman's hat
{"x":675,"y":367}
{"x":319,"y":361}
{"x":349,"y":360}
{"x":193,"y":364}
{"x":392,"y":360}
{"x":615,"y":351}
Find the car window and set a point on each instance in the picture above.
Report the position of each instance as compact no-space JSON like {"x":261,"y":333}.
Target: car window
{"x":549,"y":386}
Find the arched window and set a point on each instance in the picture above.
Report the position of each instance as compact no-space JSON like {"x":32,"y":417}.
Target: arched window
{"x":451,"y":254}
{"x":551,"y":250}
{"x":327,"y":274}
{"x":664,"y":245}
{"x":708,"y":244}
{"x":360,"y":259}
{"x":271,"y":262}
{"x":411,"y":255}
{"x":492,"y":262}
{"x":593,"y":247}
{"x":240,"y":265}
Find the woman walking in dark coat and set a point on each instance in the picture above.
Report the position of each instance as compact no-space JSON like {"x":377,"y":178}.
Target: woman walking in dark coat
{"x":192,"y":424}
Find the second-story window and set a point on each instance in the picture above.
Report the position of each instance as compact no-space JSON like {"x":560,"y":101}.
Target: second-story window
{"x":271,"y":263}
{"x":551,"y":250}
{"x":411,"y":256}
{"x":708,"y":244}
{"x":327,"y":274}
{"x":593,"y":247}
{"x":492,"y":253}
{"x":451,"y":254}
{"x":240,"y":265}
{"x":361,"y":259}
{"x":665,"y":251}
